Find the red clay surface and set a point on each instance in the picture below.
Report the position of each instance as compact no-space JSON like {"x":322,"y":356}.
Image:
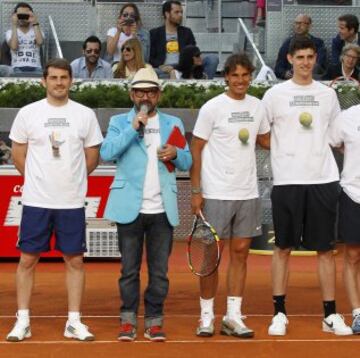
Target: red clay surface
{"x":101,"y":304}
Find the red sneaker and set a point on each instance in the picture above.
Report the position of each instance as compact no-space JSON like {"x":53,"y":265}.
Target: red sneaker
{"x":127,"y":332}
{"x":155,"y":334}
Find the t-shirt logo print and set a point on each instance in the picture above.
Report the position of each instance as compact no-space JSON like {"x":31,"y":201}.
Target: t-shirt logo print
{"x":55,"y":143}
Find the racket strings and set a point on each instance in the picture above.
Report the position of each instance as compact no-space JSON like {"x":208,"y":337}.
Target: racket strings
{"x":204,"y":251}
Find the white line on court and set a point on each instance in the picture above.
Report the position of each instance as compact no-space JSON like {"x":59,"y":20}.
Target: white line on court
{"x":176,"y":316}
{"x":212,"y":341}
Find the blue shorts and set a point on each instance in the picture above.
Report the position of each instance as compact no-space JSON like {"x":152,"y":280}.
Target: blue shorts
{"x":38,"y":225}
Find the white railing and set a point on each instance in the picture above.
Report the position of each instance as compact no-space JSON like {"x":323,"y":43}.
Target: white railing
{"x":266,"y":72}
{"x":55,"y":37}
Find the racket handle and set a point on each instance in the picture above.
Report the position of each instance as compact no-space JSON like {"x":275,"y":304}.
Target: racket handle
{"x":201,"y":215}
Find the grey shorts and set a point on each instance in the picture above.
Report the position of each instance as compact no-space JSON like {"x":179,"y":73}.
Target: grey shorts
{"x":234,"y":218}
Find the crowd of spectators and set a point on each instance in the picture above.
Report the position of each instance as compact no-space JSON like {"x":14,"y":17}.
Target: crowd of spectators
{"x":129,"y":47}
{"x":345,"y":50}
{"x":170,"y":49}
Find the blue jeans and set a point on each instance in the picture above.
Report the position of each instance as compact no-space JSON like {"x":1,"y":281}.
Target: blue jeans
{"x":28,"y":69}
{"x":210,"y":63}
{"x":5,"y":71}
{"x":158,"y":235}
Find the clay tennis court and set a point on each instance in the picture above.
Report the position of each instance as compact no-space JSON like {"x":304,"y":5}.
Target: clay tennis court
{"x":100,"y":310}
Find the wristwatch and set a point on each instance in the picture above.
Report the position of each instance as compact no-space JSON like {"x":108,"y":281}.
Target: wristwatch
{"x":195,"y":190}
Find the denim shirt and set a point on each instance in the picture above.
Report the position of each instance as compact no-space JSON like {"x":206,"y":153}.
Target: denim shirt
{"x":144,"y":37}
{"x":102,"y":70}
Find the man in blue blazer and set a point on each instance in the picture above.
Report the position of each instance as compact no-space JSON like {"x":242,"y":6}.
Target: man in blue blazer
{"x":348,"y":26}
{"x":143,"y":200}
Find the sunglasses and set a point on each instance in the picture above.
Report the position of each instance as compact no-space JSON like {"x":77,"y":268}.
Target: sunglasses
{"x":89,"y":51}
{"x":128,"y":15}
{"x":126,"y":48}
{"x":151,"y":93}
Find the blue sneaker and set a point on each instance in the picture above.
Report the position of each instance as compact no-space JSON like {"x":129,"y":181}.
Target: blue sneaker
{"x":356,"y":325}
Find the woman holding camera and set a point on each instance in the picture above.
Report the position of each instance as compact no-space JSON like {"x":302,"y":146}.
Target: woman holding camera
{"x":129,"y":25}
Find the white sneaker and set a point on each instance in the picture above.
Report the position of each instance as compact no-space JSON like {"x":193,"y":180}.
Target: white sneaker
{"x":235,"y":327}
{"x":335,"y":324}
{"x":206,"y":326}
{"x":19,"y":332}
{"x":278,"y":325}
{"x":78,"y":330}
{"x":205,"y":329}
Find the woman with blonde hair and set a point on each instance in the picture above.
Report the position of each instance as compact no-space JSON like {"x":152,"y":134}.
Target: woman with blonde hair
{"x":131,"y":59}
{"x":347,"y":67}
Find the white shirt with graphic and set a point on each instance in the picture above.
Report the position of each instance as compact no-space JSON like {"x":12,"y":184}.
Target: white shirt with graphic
{"x":122,"y":38}
{"x":228,"y":169}
{"x":55,"y":167}
{"x":346,"y":129}
{"x":300,"y":117}
{"x":152,"y":201}
{"x":28,"y":52}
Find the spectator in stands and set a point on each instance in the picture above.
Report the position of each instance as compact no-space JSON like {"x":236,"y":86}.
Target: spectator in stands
{"x":24,"y":39}
{"x":131,"y":60}
{"x":348,"y":26}
{"x":302,"y":25}
{"x":129,"y":25}
{"x":346,"y":68}
{"x":91,"y":65}
{"x":5,"y":153}
{"x":260,"y":13}
{"x":190,"y":64}
{"x":166,"y":42}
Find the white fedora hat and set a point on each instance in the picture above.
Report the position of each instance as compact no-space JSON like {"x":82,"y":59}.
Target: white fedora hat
{"x":145,"y":78}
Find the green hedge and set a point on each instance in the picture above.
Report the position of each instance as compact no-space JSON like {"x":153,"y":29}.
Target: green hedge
{"x":97,"y":95}
{"x":116,"y":95}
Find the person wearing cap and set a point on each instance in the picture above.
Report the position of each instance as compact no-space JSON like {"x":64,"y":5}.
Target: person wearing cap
{"x":143,"y":200}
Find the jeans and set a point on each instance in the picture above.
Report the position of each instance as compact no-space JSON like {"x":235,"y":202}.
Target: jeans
{"x":28,"y":70}
{"x":210,"y":63}
{"x":158,"y":235}
{"x":5,"y":71}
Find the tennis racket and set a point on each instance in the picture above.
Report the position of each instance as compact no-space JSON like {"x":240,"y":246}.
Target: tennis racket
{"x":348,"y":96}
{"x":203,"y":250}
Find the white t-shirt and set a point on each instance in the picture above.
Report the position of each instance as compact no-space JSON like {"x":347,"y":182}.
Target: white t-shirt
{"x":28,"y":52}
{"x":122,"y":38}
{"x":300,"y":154}
{"x":152,"y":201}
{"x":346,"y":129}
{"x":228,"y":169}
{"x":55,"y":167}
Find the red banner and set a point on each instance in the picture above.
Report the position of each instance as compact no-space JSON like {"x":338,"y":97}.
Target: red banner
{"x":10,"y":208}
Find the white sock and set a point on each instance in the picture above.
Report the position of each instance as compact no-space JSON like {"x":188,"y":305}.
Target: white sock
{"x":23,"y":316}
{"x":207,"y":306}
{"x":74,"y":317}
{"x":233,"y":307}
{"x":207,"y":311}
{"x":356,"y":312}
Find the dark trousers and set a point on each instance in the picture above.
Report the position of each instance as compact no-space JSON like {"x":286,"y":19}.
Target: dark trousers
{"x":158,"y":234}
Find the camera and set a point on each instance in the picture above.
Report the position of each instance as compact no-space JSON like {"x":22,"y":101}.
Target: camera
{"x":23,"y":16}
{"x":129,"y":21}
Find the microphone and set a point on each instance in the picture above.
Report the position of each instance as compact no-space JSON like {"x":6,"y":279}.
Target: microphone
{"x":144,"y":109}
